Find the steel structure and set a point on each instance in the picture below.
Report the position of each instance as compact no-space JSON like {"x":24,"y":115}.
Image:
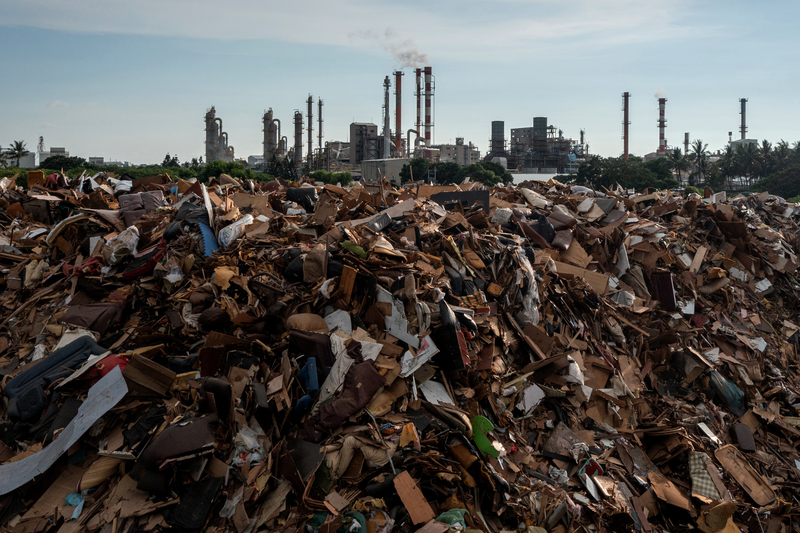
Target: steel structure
{"x":387,"y":85}
{"x":662,"y":125}
{"x":743,"y":127}
{"x":625,"y":124}
{"x":398,"y":129}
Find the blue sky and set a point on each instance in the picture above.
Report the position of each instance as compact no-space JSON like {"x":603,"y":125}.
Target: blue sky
{"x":132,"y":80}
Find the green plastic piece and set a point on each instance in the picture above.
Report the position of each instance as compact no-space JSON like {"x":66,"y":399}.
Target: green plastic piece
{"x":355,"y":249}
{"x":480,"y":427}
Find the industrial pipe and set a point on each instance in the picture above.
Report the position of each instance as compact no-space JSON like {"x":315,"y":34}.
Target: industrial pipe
{"x":398,"y":135}
{"x":408,"y":139}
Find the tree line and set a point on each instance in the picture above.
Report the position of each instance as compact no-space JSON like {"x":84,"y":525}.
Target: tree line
{"x":743,"y":166}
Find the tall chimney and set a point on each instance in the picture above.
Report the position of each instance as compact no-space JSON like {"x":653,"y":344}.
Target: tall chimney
{"x":743,"y":127}
{"x":686,"y":143}
{"x":419,"y":103}
{"x":625,"y":123}
{"x":428,"y":96}
{"x":310,"y":156}
{"x":662,"y":124}
{"x":319,"y":120}
{"x":398,"y":129}
{"x":298,"y":140}
{"x":387,"y":136}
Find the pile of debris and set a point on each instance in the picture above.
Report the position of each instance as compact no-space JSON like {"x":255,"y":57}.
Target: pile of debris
{"x":247,"y":357}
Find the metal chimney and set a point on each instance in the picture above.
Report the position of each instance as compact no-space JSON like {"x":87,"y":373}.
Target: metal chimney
{"x":625,"y":123}
{"x":267,"y":121}
{"x":398,"y":129}
{"x":419,"y":102}
{"x":298,"y":140}
{"x":743,"y":127}
{"x":686,"y":143}
{"x":310,"y":156}
{"x":662,"y":124}
{"x":319,"y":120}
{"x":428,"y":97}
{"x":387,"y":136}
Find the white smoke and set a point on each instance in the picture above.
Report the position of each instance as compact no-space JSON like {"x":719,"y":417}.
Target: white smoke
{"x":660,"y":93}
{"x":404,"y":51}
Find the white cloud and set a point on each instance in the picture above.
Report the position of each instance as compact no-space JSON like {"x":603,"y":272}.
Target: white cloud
{"x":470,"y":30}
{"x":56,"y":104}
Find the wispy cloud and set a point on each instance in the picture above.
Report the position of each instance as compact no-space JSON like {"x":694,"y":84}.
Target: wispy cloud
{"x":475,"y":30}
{"x":58,"y":104}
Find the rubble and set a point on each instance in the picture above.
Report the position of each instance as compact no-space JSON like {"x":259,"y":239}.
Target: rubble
{"x":246,"y":357}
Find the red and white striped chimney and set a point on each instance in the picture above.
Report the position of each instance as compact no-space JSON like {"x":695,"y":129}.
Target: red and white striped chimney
{"x":428,"y":96}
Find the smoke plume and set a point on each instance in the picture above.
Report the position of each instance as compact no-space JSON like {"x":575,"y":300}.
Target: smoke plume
{"x":404,"y":51}
{"x":660,"y":93}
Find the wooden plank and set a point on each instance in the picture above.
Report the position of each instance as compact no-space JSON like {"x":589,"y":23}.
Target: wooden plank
{"x":598,"y":281}
{"x":415,"y":503}
{"x":697,"y":262}
{"x":347,"y":283}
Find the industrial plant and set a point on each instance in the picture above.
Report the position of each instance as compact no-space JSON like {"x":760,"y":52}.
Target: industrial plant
{"x":373,"y":150}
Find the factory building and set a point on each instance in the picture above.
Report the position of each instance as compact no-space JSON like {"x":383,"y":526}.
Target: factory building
{"x":365,"y":143}
{"x":217,"y":148}
{"x":542,"y":149}
{"x":463,"y":154}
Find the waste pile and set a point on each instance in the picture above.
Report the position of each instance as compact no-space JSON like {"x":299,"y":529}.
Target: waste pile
{"x":257,"y":357}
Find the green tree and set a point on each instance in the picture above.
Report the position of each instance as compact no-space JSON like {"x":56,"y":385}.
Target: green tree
{"x":415,"y":170}
{"x":58,"y":162}
{"x":4,"y":158}
{"x":17,"y":151}
{"x":785,"y":183}
{"x":447,"y":172}
{"x":333,"y":178}
{"x":749,"y":162}
{"x":699,"y":157}
{"x":678,"y":163}
{"x":171,"y":162}
{"x":281,"y":168}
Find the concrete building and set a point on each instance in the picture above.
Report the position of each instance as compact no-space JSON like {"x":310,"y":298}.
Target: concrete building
{"x":373,"y":169}
{"x":365,"y":143}
{"x":54,"y":150}
{"x":463,"y":154}
{"x":99,"y":161}
{"x":254,"y":161}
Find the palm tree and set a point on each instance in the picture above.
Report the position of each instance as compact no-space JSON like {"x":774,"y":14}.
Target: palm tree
{"x":728,"y":164}
{"x":781,"y":155}
{"x":749,"y":162}
{"x":3,"y":158}
{"x":765,"y":157}
{"x":678,"y":163}
{"x":699,"y":157}
{"x":18,"y":151}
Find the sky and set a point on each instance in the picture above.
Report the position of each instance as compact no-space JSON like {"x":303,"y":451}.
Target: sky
{"x":132,"y":80}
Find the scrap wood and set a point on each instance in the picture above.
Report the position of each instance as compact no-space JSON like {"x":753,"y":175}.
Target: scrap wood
{"x":539,"y":384}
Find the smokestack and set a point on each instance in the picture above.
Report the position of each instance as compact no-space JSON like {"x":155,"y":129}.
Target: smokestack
{"x":428,"y":96}
{"x":319,"y":119}
{"x":625,"y":123}
{"x":310,"y":103}
{"x":267,"y":119}
{"x":298,"y":140}
{"x":743,"y":127}
{"x":662,"y":124}
{"x":387,"y":136}
{"x":419,"y":103}
{"x":398,"y":131}
{"x":686,"y":143}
